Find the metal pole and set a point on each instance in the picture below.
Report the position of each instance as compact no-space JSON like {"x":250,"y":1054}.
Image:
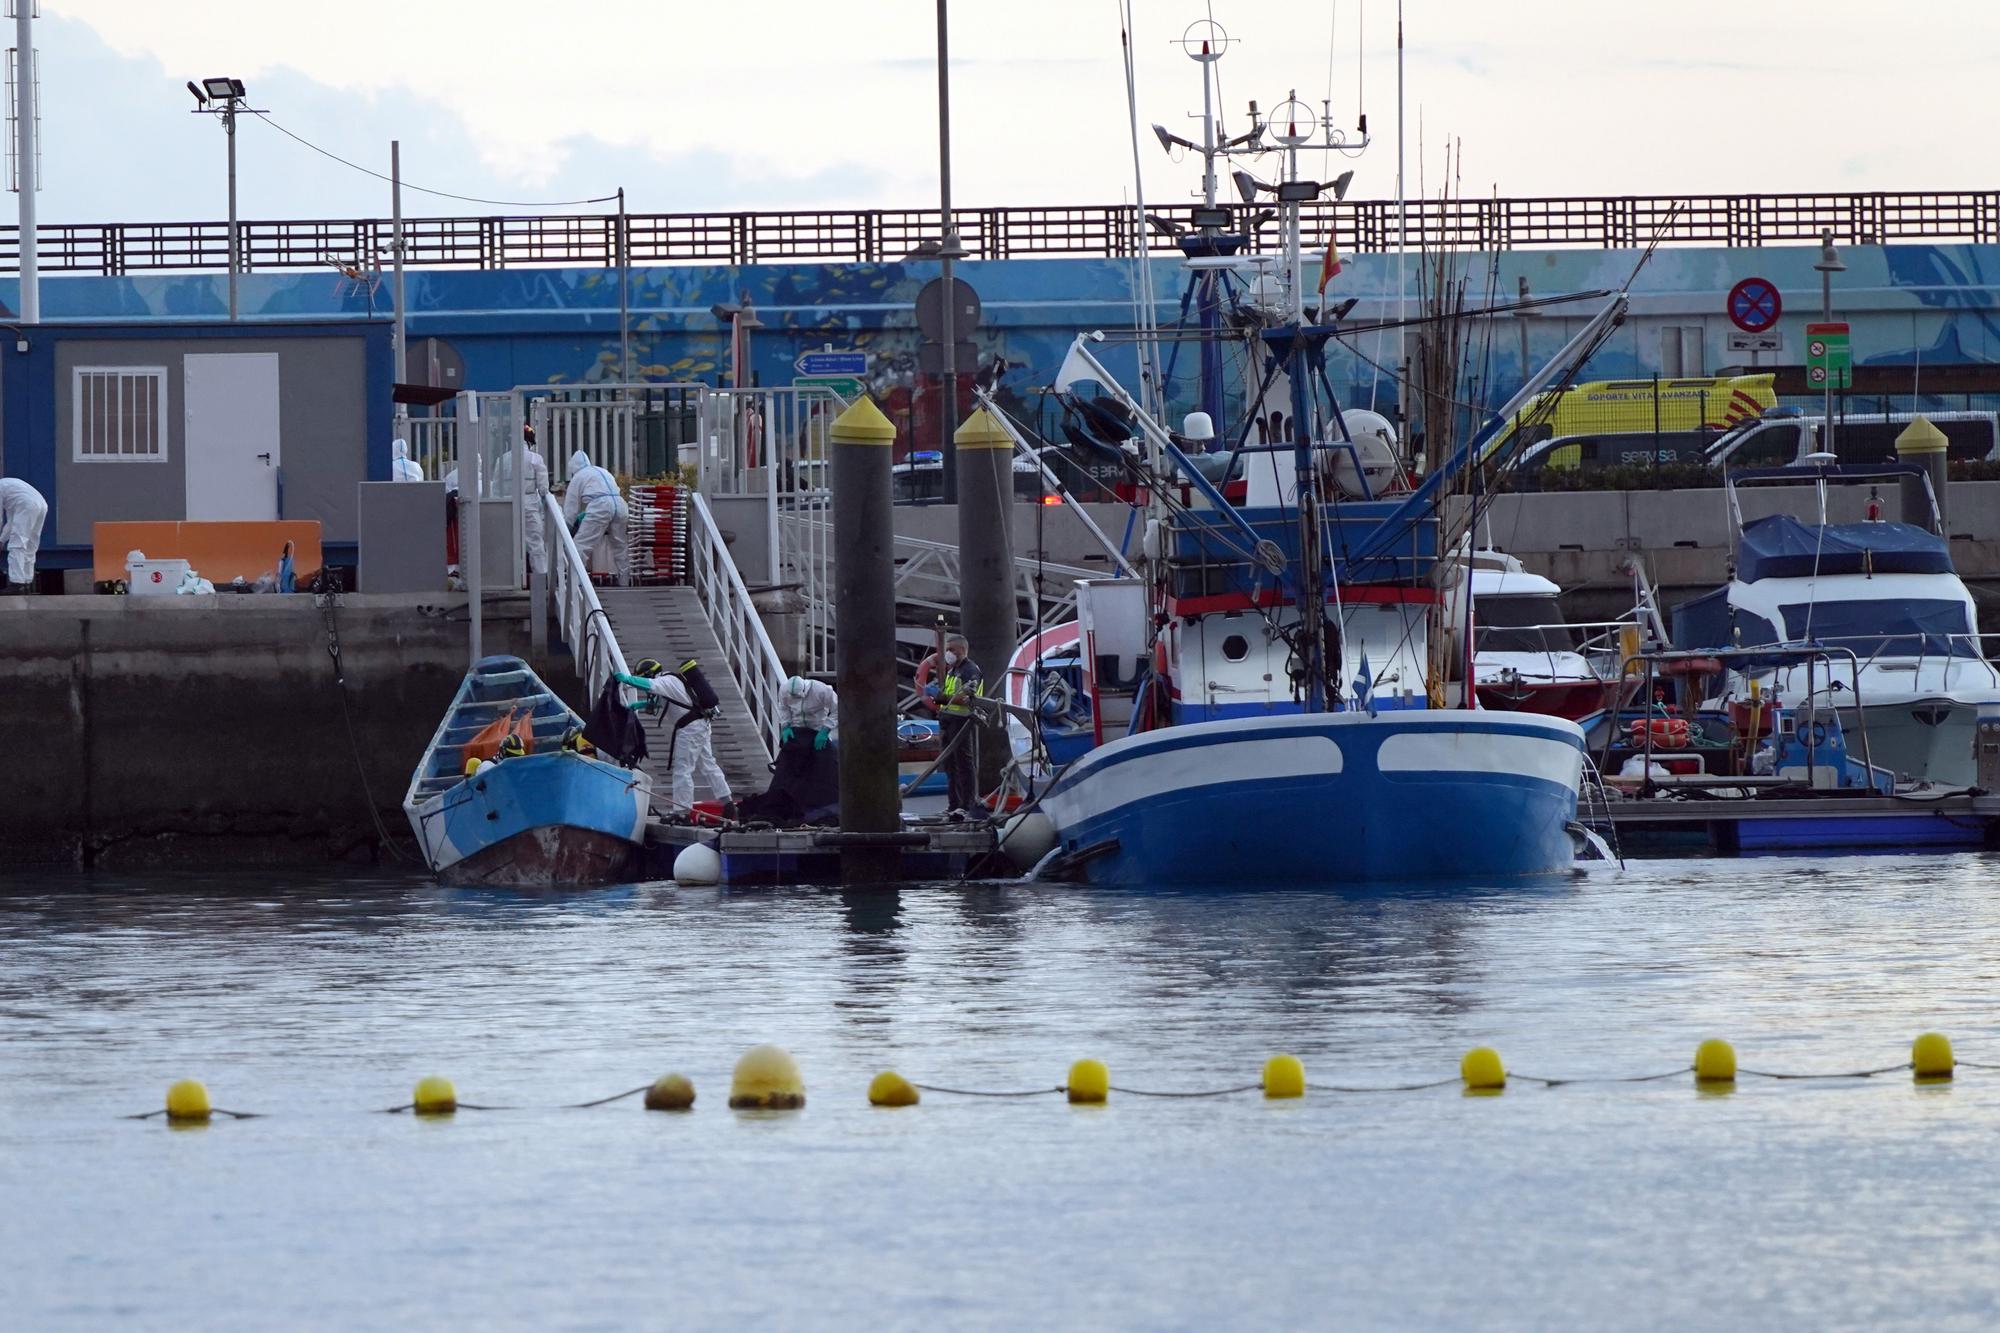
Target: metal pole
{"x":1826,"y":315}
{"x":1402,"y":253}
{"x":864,"y":573}
{"x":24,"y":157}
{"x":396,"y":250}
{"x":624,"y":298}
{"x":229,"y":131}
{"x":948,"y":247}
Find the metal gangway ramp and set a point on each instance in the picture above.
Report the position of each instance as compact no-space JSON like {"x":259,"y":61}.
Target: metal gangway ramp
{"x":670,"y":625}
{"x":710,"y":618}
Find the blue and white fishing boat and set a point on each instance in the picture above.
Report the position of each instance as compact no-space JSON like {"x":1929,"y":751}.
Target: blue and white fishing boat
{"x":550,"y":817}
{"x":1267,"y":691}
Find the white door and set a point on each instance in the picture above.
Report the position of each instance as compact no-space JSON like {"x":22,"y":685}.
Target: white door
{"x":231,"y":400}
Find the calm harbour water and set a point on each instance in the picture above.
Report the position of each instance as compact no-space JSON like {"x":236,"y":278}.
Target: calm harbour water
{"x":319,"y":1001}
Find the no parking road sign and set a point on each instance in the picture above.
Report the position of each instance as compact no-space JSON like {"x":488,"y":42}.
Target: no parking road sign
{"x":1754,"y":305}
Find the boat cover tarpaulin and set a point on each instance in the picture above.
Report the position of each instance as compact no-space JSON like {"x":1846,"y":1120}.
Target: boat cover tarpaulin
{"x":1781,"y":547}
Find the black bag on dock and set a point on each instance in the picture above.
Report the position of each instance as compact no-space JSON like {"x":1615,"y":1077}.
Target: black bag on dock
{"x":615,"y":729}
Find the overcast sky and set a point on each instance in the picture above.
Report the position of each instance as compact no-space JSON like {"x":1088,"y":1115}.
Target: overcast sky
{"x":781,"y":104}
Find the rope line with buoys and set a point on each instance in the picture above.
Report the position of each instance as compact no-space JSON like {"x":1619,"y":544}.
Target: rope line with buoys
{"x":766,"y":1078}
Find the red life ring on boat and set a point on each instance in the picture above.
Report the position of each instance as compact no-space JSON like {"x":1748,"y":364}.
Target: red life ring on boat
{"x":1665,"y":733}
{"x":925,"y":670}
{"x":1691,"y":666}
{"x":1160,"y":657}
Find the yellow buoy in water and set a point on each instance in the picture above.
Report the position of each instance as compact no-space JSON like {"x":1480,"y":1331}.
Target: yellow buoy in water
{"x":434,"y":1096}
{"x":1284,"y":1076}
{"x":670,"y":1092}
{"x":187,"y":1101}
{"x":766,"y":1079}
{"x":889,"y":1088}
{"x":1089,"y":1082}
{"x":1482,"y":1071}
{"x":1715,"y":1062}
{"x":1931,"y":1057}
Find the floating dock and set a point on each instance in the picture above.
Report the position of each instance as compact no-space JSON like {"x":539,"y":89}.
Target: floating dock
{"x":930,"y":851}
{"x":1822,"y":821}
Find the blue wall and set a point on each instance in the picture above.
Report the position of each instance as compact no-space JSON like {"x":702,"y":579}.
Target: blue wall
{"x":1928,"y":303}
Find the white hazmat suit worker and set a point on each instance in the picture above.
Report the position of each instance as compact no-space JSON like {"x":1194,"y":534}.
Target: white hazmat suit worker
{"x":808,"y":706}
{"x":401,"y":468}
{"x":597,"y":516}
{"x":22,"y":511}
{"x":534,"y":535}
{"x":692,"y":739}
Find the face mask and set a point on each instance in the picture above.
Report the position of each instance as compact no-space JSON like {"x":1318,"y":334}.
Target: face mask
{"x":950,"y":658}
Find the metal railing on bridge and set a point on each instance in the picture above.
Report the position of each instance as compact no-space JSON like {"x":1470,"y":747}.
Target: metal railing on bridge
{"x":886,"y":235}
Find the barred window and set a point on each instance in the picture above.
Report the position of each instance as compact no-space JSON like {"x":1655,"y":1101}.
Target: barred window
{"x":120,"y":414}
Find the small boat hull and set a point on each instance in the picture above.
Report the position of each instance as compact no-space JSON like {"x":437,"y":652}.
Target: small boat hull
{"x":1342,"y":798}
{"x":538,"y":820}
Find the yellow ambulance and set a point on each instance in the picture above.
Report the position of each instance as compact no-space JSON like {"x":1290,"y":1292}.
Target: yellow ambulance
{"x":1643,"y":406}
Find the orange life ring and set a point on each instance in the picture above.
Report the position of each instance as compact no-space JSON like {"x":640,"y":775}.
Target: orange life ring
{"x":1665,"y":733}
{"x":925,"y":670}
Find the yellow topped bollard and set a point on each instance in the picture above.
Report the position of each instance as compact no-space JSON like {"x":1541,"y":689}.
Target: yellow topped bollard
{"x":1284,"y":1077}
{"x":891,"y":1089}
{"x":862,"y":518}
{"x":434,"y":1096}
{"x":766,"y":1079}
{"x":982,"y":431}
{"x":1931,"y":1059}
{"x":1482,"y":1071}
{"x":983,"y":454}
{"x":670,"y":1092}
{"x":1714,"y":1062}
{"x":1089,"y":1083}
{"x":1923,"y":444}
{"x":187,"y":1102}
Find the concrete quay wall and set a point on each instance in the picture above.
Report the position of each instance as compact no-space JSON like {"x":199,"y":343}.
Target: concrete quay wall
{"x":209,"y":731}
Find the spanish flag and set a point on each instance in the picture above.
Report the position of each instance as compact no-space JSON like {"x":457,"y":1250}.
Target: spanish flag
{"x":1329,"y":267}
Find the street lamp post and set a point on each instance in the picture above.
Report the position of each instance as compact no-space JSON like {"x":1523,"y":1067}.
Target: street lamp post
{"x":1828,"y":265}
{"x":224,"y":97}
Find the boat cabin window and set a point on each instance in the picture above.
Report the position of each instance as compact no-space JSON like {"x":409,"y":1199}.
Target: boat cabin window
{"x":1888,"y":627}
{"x":1521,"y":624}
{"x":1235,"y":648}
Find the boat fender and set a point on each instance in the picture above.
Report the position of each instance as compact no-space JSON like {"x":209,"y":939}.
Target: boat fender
{"x":698,"y":863}
{"x":1027,"y":839}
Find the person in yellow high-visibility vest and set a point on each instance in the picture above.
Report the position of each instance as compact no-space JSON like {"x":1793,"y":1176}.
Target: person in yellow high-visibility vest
{"x":953,"y":693}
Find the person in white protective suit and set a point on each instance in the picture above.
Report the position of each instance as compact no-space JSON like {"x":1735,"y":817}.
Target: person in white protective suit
{"x":597,"y":516}
{"x":534,"y":536}
{"x":22,"y":511}
{"x":692,"y":740}
{"x":400,"y":466}
{"x":808,"y":707}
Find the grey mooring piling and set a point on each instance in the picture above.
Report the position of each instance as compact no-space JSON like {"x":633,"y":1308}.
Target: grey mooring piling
{"x":986,"y":565}
{"x":864,"y":601}
{"x":1923,"y":444}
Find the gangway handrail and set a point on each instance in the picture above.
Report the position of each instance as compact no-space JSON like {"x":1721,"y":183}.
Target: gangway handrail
{"x":747,"y":649}
{"x":585,"y":626}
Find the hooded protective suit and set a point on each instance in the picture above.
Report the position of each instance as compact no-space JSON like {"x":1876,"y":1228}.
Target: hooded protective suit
{"x":808,"y":705}
{"x":400,"y":466}
{"x":534,"y":535}
{"x":692,"y":743}
{"x":597,"y":515}
{"x":22,"y":510}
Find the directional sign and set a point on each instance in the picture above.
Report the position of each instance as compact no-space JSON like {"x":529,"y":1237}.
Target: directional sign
{"x":846,"y":386}
{"x":1829,"y":356}
{"x":830,"y":362}
{"x":1754,"y":305}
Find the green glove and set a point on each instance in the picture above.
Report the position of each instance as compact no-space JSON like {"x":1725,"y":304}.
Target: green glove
{"x":820,"y":738}
{"x":636,"y":682}
{"x":785,"y":736}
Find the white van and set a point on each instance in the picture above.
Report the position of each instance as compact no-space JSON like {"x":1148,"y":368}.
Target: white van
{"x":1784,"y":436}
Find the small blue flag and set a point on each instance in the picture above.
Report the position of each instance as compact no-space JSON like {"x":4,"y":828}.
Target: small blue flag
{"x":1364,"y":686}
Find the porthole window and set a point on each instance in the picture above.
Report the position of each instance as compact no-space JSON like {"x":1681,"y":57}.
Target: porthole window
{"x":1235,"y":648}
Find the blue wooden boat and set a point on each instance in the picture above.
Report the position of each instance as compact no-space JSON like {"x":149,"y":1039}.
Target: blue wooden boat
{"x":552,"y":817}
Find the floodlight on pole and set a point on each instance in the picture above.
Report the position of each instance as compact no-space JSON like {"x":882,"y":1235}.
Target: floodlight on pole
{"x":1246,"y":185}
{"x":1340,"y":184}
{"x":224,"y":97}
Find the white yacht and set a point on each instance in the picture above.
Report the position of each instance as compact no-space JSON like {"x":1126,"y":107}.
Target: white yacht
{"x":1884,"y":592}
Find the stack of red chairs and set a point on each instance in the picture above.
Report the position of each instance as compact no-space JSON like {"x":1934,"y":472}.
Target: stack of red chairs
{"x":659,"y":532}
